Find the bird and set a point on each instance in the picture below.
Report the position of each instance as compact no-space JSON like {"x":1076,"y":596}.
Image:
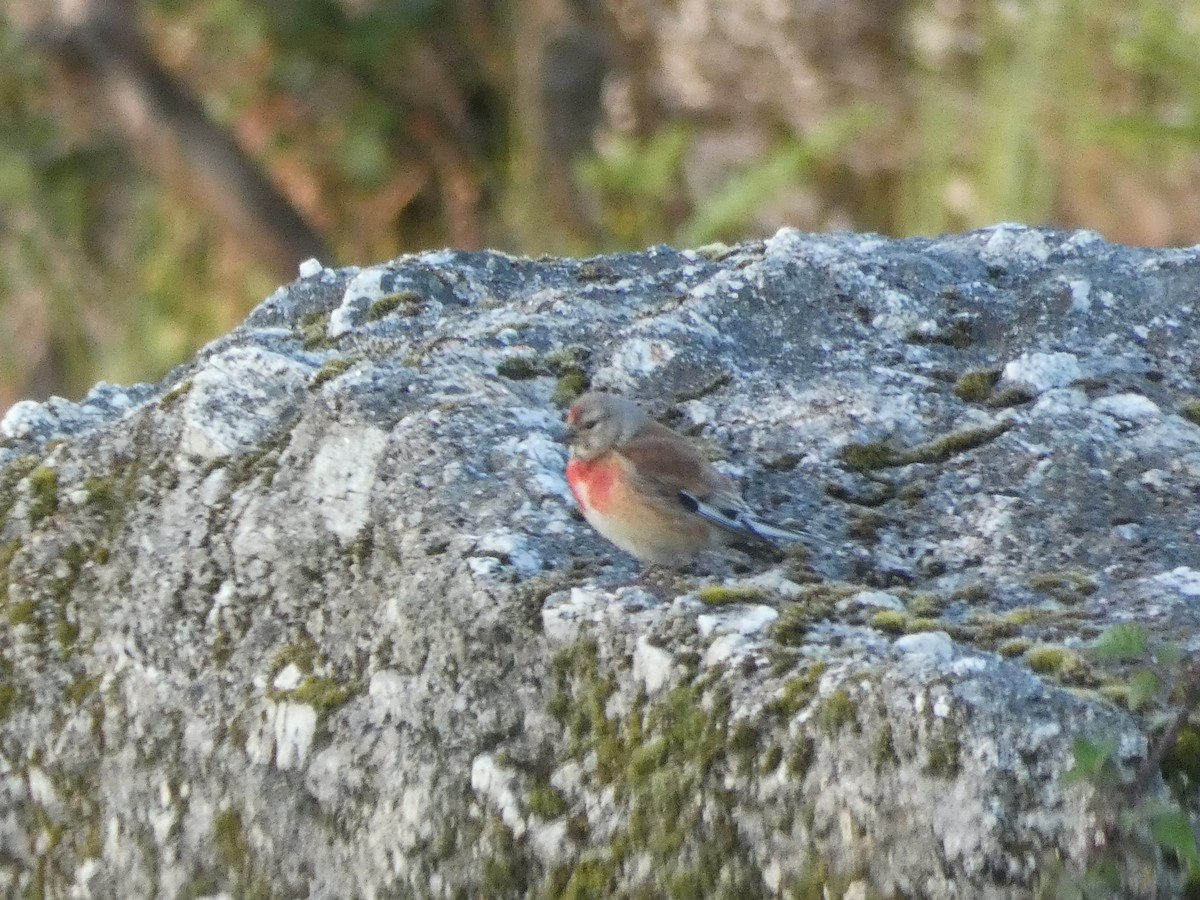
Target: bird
{"x":648,"y":490}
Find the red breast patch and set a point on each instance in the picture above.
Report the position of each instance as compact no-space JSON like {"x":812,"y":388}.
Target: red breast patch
{"x":592,"y":482}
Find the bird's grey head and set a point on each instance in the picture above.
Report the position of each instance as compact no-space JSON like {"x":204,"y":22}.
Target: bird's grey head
{"x":598,"y":422}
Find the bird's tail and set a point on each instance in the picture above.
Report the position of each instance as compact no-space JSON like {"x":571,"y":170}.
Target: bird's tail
{"x":740,"y":521}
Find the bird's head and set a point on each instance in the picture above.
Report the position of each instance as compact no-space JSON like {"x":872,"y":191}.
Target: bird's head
{"x":598,"y":422}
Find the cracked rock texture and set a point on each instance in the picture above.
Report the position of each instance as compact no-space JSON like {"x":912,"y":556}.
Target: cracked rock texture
{"x":315,"y":617}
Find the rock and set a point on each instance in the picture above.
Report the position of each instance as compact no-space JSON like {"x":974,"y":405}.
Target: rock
{"x":315,"y":616}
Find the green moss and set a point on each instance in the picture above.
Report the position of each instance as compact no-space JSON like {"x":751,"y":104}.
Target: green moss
{"x":660,"y":758}
{"x":501,"y":877}
{"x":976,"y":592}
{"x":1052,"y":659}
{"x":1012,"y":395}
{"x":23,"y":613}
{"x":944,"y":757}
{"x":566,"y":360}
{"x":12,"y":474}
{"x":925,"y":604}
{"x":1182,"y":760}
{"x":918,"y":626}
{"x":836,"y":712}
{"x":314,"y":331}
{"x":229,"y":839}
{"x":883,"y":749}
{"x":990,"y":630}
{"x":332,"y":369}
{"x":570,"y":386}
{"x":102,"y":496}
{"x":8,"y":552}
{"x":1024,"y":615}
{"x":870,"y":456}
{"x":43,"y":493}
{"x":818,"y":882}
{"x":772,"y":759}
{"x":82,"y":688}
{"x":67,"y":633}
{"x":559,"y":706}
{"x":407,"y":303}
{"x":1069,"y":586}
{"x":798,"y":692}
{"x":866,"y":525}
{"x":744,"y":739}
{"x":1117,"y":693}
{"x":815,"y":603}
{"x":882,"y":455}
{"x":177,"y":393}
{"x":591,"y":878}
{"x":222,"y":647}
{"x":722,"y":595}
{"x":8,"y":700}
{"x":1014,"y":647}
{"x":1190,"y":410}
{"x":546,"y":801}
{"x":957,"y":442}
{"x":322,"y":694}
{"x":890,"y":621}
{"x":519,"y":368}
{"x":302,"y":654}
{"x":976,"y":385}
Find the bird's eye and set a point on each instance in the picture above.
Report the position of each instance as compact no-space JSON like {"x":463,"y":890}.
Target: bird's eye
{"x":588,"y":426}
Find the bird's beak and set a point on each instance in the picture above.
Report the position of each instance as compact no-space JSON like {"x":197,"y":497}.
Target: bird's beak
{"x":565,"y":435}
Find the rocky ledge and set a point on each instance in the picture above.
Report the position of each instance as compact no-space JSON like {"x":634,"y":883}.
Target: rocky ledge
{"x":316,"y":617}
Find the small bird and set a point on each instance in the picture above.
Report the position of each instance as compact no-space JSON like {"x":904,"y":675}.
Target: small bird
{"x":648,"y":490}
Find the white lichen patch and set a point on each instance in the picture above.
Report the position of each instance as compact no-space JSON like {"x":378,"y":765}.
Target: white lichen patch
{"x":1081,"y":294}
{"x":57,"y":416}
{"x":652,"y":665}
{"x":239,"y":399}
{"x":872,"y":599}
{"x":288,"y":679}
{"x":1040,"y":372}
{"x":565,"y":613}
{"x":1008,"y":240}
{"x":745,"y":620}
{"x":295,"y":725}
{"x":1183,"y":579}
{"x":772,"y":581}
{"x":25,"y":418}
{"x":898,"y":314}
{"x":727,"y":649}
{"x":1128,"y":407}
{"x":342,"y":477}
{"x":495,"y":783}
{"x":930,"y":644}
{"x":513,"y":548}
{"x":387,"y":690}
{"x":636,"y":358}
{"x":41,"y":789}
{"x":363,"y":290}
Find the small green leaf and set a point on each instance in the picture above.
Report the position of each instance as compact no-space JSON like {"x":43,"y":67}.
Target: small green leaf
{"x":1090,"y":759}
{"x":1121,"y":642}
{"x":1173,"y":830}
{"x":1143,"y":685}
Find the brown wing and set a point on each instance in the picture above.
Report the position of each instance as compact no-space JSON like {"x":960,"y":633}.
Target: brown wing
{"x":665,"y":464}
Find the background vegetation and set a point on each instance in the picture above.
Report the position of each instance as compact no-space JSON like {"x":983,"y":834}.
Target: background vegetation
{"x":166,"y":163}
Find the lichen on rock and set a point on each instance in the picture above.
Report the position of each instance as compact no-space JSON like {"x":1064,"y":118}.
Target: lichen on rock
{"x":315,"y":617}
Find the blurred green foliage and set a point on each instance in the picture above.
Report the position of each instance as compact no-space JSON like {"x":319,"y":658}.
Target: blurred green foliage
{"x":391,"y":124}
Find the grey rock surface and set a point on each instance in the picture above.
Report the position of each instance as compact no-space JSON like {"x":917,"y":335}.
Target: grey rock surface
{"x":315,"y":617}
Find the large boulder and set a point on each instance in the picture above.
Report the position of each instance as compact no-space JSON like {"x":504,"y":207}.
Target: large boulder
{"x":316,"y":617}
